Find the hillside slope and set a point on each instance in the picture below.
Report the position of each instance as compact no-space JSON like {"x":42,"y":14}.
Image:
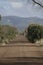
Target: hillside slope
{"x":20,"y":22}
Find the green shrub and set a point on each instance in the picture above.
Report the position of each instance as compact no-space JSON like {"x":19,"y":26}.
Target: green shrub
{"x":34,"y":32}
{"x":7,"y":32}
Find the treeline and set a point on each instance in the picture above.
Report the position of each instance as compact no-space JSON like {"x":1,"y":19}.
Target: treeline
{"x":34,"y":32}
{"x":7,"y":33}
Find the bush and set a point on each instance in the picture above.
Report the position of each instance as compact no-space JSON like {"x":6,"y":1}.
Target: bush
{"x":7,"y":33}
{"x":34,"y":32}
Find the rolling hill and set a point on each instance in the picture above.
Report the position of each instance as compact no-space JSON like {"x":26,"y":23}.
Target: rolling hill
{"x":20,"y":22}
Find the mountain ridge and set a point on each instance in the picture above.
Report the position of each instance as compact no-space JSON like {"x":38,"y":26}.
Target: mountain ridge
{"x":20,"y":22}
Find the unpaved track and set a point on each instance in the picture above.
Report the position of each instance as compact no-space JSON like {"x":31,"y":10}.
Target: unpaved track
{"x":26,"y":54}
{"x":19,"y":39}
{"x":21,"y":52}
{"x":21,"y":55}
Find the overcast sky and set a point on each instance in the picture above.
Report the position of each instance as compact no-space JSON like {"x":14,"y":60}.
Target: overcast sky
{"x":22,"y":8}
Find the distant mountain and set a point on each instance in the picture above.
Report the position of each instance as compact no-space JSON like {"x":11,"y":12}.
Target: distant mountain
{"x":20,"y":22}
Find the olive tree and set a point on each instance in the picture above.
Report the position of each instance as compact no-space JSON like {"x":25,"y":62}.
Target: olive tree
{"x":34,"y":32}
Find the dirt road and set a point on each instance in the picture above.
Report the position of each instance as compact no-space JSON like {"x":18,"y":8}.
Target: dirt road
{"x":26,"y":54}
{"x":19,"y":39}
{"x":22,"y":53}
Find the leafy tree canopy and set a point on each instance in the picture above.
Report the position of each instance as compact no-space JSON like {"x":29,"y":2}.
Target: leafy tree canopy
{"x":34,"y":32}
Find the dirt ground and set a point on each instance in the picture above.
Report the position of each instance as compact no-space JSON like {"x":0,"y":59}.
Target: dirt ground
{"x":21,"y":53}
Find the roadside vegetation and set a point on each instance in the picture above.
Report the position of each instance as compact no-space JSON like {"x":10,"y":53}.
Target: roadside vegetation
{"x":7,"y":33}
{"x":34,"y":32}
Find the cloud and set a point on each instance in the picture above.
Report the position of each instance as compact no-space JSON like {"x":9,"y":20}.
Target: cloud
{"x":20,"y":8}
{"x":16,"y":4}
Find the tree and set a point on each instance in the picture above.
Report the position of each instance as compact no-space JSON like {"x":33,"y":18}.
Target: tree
{"x":34,"y":32}
{"x":11,"y":33}
{"x":7,"y":33}
{"x":1,"y":33}
{"x":36,"y":2}
{"x":0,"y":17}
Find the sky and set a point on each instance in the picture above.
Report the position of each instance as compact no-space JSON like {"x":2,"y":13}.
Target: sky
{"x":21,"y":8}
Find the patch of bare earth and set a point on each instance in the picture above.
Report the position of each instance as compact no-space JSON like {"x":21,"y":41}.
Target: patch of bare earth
{"x":21,"y":52}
